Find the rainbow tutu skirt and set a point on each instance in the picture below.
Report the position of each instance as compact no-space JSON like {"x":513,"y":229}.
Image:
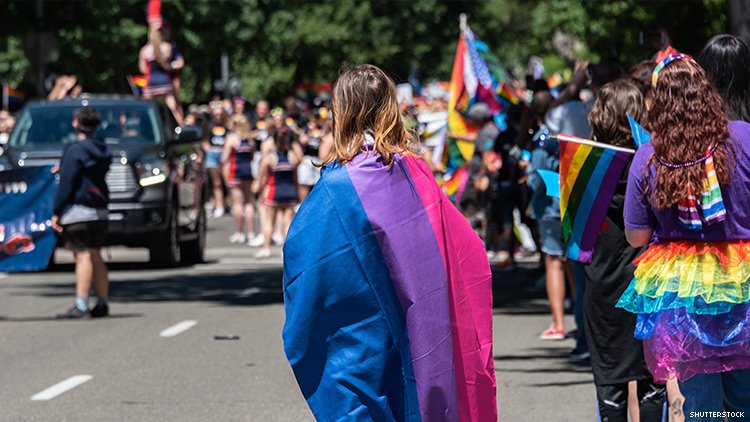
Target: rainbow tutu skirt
{"x":693,"y":305}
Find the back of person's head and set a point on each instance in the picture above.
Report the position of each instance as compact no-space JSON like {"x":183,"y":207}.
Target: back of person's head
{"x":240,"y":126}
{"x":604,"y":72}
{"x":541,"y":103}
{"x":536,"y":85}
{"x":726,"y":59}
{"x":686,"y":120}
{"x":640,"y":75}
{"x":88,"y":120}
{"x":365,"y":102}
{"x":609,"y":116}
{"x":480,"y":113}
{"x":282,"y":139}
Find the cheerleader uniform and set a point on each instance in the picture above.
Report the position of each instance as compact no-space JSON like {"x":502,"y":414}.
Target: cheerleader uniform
{"x":159,"y":80}
{"x":261,"y":126}
{"x":691,"y":290}
{"x":241,"y":164}
{"x":282,"y":185}
{"x":308,"y":171}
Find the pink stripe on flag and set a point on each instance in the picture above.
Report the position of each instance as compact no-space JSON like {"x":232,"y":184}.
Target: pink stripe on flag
{"x":470,"y":282}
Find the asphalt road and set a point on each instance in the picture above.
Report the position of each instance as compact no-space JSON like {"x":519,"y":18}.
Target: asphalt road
{"x":203,"y":343}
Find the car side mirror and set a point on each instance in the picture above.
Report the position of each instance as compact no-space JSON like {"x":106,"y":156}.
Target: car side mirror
{"x":186,"y":135}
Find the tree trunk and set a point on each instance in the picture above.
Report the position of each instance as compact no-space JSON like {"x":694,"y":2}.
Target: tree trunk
{"x":739,"y":18}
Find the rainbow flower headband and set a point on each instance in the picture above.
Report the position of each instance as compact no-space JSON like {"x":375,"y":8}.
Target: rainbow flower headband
{"x":664,"y":62}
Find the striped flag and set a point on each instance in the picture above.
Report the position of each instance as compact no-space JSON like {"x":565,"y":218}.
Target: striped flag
{"x":389,"y":316}
{"x":589,"y":174}
{"x":454,"y":187}
{"x":462,"y":89}
{"x":137,"y":84}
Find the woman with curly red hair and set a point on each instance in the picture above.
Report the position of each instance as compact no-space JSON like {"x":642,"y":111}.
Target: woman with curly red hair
{"x":687,"y":197}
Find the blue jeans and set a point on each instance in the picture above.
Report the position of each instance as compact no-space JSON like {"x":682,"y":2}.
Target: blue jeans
{"x":722,"y":392}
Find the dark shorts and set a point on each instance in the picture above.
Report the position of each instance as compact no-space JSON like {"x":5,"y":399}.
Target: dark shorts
{"x":88,"y":235}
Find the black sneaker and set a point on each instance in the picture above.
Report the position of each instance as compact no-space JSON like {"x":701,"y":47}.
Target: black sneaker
{"x":579,"y":355}
{"x":74,"y":313}
{"x":100,"y":310}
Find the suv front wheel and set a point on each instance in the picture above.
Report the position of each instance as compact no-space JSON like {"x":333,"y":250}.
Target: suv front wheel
{"x":165,"y":250}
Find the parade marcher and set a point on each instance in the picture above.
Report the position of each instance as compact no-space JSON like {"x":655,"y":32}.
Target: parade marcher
{"x":264,"y":145}
{"x":546,"y":211}
{"x":80,"y":213}
{"x":616,"y":357}
{"x":473,"y":196}
{"x":687,"y":197}
{"x":726,"y":59}
{"x":160,"y":62}
{"x":308,"y":171}
{"x":387,"y":289}
{"x":237,"y":162}
{"x":262,"y":110}
{"x":278,"y":181}
{"x":214,"y":147}
{"x":504,"y":191}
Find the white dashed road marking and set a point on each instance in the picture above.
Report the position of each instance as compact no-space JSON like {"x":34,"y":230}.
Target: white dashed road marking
{"x":61,"y":387}
{"x":178,"y":328}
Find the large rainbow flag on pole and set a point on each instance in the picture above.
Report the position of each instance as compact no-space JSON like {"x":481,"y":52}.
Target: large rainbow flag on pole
{"x":462,"y":78}
{"x":471,"y":82}
{"x":589,"y":174}
{"x":388,"y":298}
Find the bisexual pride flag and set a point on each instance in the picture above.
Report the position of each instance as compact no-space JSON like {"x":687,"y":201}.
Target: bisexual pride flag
{"x":388,"y":297}
{"x":589,"y":174}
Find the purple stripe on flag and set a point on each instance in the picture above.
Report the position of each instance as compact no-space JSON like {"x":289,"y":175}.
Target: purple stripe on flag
{"x":600,"y":206}
{"x":415,"y":264}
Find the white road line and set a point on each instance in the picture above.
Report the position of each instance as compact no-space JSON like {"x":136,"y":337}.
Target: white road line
{"x":61,"y":387}
{"x":250,"y":291}
{"x":178,"y":328}
{"x":3,"y":275}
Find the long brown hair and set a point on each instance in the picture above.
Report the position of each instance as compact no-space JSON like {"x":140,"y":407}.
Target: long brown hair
{"x":686,"y":119}
{"x":155,"y":39}
{"x":364,"y":101}
{"x":609,"y":116}
{"x":241,"y":126}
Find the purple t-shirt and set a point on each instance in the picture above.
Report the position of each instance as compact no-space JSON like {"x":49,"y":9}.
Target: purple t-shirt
{"x":640,"y":214}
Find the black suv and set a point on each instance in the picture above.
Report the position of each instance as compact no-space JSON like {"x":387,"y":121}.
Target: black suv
{"x":156,"y":180}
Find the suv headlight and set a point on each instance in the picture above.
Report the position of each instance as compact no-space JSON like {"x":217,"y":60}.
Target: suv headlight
{"x":151,"y":172}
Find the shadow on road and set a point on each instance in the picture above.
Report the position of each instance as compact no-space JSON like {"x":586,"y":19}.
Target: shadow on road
{"x":519,"y":292}
{"x":52,"y":318}
{"x":256,"y":287}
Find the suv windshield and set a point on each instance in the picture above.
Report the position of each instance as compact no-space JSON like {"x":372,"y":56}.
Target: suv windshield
{"x":50,"y":126}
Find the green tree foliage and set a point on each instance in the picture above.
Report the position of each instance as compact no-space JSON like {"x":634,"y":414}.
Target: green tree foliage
{"x":275,"y":44}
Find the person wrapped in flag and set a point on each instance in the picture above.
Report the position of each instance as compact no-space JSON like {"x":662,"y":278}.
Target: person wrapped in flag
{"x":687,"y":196}
{"x":387,"y":290}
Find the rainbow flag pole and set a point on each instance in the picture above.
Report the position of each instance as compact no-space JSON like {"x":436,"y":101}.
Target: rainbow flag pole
{"x":589,"y":174}
{"x":589,"y":142}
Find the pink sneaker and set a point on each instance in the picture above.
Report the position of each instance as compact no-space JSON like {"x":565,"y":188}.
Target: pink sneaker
{"x":552,"y":334}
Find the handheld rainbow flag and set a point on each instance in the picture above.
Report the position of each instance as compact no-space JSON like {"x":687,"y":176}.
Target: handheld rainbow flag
{"x":11,"y":97}
{"x":137,"y":84}
{"x":640,"y":135}
{"x":389,"y":315}
{"x":589,"y":174}
{"x":454,"y":186}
